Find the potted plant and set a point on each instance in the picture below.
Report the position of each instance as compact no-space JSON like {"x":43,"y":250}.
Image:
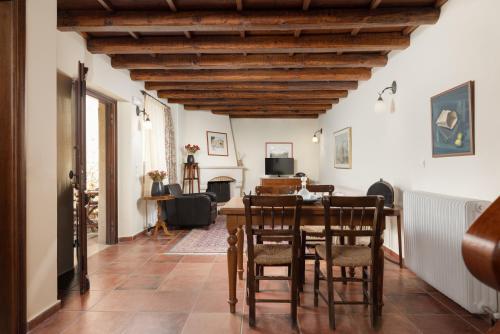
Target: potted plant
{"x":191,"y":149}
{"x":157,"y":187}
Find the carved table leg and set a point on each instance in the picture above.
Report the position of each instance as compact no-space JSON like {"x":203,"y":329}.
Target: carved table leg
{"x":232,"y":254}
{"x":241,"y":237}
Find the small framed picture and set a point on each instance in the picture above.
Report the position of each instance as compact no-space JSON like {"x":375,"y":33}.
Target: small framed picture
{"x":452,"y":122}
{"x":279,"y":150}
{"x":217,"y":143}
{"x":343,"y":148}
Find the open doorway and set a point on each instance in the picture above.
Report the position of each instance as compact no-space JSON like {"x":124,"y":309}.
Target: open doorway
{"x":100,"y":172}
{"x":94,"y":131}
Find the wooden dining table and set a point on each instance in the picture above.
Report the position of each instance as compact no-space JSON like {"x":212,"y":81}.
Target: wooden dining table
{"x":234,"y":210}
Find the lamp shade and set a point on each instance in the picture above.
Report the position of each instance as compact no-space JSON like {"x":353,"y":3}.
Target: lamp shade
{"x":315,"y":139}
{"x":147,"y":124}
{"x":379,"y":105}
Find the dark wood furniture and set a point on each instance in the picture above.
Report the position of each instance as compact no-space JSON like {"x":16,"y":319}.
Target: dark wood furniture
{"x":279,"y":221}
{"x":235,"y":213}
{"x":280,"y":181}
{"x":312,"y":235}
{"x":351,"y":217}
{"x":160,"y":223}
{"x":481,"y":249}
{"x":191,"y":175}
{"x":275,"y":190}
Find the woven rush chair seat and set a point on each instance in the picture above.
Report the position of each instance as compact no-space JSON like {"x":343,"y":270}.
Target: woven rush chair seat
{"x":273,"y":254}
{"x":313,"y":229}
{"x":347,"y":256}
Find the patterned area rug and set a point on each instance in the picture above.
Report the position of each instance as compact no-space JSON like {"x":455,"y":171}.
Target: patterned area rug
{"x":211,"y":240}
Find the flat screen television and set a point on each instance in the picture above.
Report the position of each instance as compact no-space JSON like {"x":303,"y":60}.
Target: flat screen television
{"x":279,"y":166}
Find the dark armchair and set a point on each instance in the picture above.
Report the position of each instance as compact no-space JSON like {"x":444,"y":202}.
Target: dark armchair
{"x":190,"y":210}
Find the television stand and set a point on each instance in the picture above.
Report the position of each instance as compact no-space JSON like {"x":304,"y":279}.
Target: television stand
{"x":279,"y":181}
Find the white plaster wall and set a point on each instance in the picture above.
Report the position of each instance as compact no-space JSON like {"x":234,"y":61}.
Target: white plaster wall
{"x":462,"y":46}
{"x":117,"y":84}
{"x":251,"y":136}
{"x":194,"y":131}
{"x":41,"y":155}
{"x":49,"y":51}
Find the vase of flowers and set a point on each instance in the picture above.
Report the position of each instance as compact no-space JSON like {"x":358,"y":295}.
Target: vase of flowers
{"x":191,"y":150}
{"x":157,"y":176}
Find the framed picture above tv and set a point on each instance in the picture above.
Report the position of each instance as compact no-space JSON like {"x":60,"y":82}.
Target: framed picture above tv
{"x":452,"y":122}
{"x":217,"y":143}
{"x":279,"y":150}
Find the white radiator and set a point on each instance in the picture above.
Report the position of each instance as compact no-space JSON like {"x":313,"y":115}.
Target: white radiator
{"x":434,"y":226}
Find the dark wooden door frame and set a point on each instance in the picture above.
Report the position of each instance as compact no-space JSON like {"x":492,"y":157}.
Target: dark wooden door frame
{"x":13,"y":167}
{"x":81,"y":177}
{"x":111,"y":166}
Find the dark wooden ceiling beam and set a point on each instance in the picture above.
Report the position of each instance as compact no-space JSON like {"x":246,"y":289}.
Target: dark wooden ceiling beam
{"x":267,"y":112}
{"x":255,"y":86}
{"x":372,"y":42}
{"x":106,"y":5}
{"x":261,"y":107}
{"x":158,"y":21}
{"x":109,"y":7}
{"x":171,"y":5}
{"x":298,"y":116}
{"x":186,"y":94}
{"x":257,"y":102}
{"x":373,"y":4}
{"x":306,"y":74}
{"x":254,"y":61}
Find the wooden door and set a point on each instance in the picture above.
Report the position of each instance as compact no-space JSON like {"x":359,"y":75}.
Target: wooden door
{"x":81,"y":179}
{"x":65,"y":167}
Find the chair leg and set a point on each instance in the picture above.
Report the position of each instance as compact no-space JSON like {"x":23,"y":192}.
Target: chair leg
{"x":331,"y":302}
{"x":258,"y":272}
{"x":343,"y":271}
{"x":251,"y":293}
{"x":365,"y":284}
{"x":294,"y":291}
{"x":303,"y":261}
{"x":374,"y":295}
{"x":316,"y":280}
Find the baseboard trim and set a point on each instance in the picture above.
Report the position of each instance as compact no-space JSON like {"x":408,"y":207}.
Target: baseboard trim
{"x":44,"y":315}
{"x":133,"y":237}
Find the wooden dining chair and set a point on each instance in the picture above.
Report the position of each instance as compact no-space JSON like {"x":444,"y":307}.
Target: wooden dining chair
{"x":312,"y":235}
{"x":351,"y":218}
{"x":275,"y":190}
{"x":280,"y":216}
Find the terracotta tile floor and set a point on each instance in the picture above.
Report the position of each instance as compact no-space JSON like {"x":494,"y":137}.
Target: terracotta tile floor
{"x":136,"y":288}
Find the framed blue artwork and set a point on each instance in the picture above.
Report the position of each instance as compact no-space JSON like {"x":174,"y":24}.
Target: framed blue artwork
{"x":452,"y":117}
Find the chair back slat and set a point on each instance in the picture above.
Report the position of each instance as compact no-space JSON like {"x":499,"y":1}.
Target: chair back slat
{"x":319,"y":188}
{"x":353,"y":217}
{"x":277,"y":209}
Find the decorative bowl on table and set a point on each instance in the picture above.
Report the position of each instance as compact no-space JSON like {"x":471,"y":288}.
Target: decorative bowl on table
{"x":311,"y":198}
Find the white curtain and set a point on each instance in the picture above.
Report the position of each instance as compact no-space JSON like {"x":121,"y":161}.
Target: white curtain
{"x":154,"y":156}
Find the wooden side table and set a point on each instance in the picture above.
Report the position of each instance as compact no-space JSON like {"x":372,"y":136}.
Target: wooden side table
{"x":159,"y":221}
{"x":190,"y":175}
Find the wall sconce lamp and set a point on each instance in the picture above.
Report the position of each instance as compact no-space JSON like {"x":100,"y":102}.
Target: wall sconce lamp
{"x":380,"y":105}
{"x":147,"y":122}
{"x":315,"y":138}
